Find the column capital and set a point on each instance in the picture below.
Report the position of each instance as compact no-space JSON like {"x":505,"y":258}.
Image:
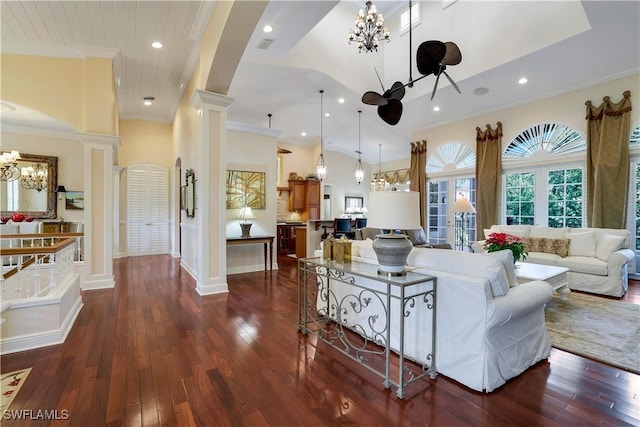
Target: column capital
{"x":210,"y":100}
{"x":97,"y":139}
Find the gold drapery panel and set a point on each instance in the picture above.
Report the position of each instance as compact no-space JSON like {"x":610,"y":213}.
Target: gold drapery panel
{"x":488,"y":175}
{"x":399,"y":176}
{"x":418,"y":175}
{"x":608,"y":130}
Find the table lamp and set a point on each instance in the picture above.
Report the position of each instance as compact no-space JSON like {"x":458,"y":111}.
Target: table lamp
{"x":393,"y":210}
{"x":245,"y":214}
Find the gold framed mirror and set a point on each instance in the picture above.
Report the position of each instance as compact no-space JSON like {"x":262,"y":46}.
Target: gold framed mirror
{"x":189,"y":195}
{"x":30,"y":191}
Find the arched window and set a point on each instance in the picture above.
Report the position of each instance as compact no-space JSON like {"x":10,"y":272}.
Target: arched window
{"x":555,"y":138}
{"x":450,"y":157}
{"x":545,"y":193}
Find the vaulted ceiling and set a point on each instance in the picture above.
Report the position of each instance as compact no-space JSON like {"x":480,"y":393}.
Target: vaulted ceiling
{"x":559,"y":46}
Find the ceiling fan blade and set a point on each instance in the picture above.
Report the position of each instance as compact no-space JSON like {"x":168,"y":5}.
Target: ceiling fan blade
{"x":396,"y":92}
{"x":453,"y":56}
{"x":435,"y":87}
{"x":452,"y":82}
{"x":429,"y":56}
{"x":373,"y":98}
{"x":391,"y":112}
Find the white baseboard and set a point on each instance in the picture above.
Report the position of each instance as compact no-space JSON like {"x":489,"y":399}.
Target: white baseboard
{"x":106,"y":283}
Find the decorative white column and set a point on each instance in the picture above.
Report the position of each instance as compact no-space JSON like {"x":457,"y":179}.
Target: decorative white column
{"x":98,"y":209}
{"x":116,"y":211}
{"x":210,"y":171}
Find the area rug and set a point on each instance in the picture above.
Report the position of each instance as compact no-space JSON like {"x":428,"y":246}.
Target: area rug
{"x":10,"y":385}
{"x":598,"y":328}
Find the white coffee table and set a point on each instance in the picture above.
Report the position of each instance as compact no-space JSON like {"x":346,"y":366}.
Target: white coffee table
{"x":555,"y":276}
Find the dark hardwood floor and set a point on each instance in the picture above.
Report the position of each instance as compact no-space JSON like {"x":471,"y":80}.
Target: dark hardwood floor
{"x":154,"y":352}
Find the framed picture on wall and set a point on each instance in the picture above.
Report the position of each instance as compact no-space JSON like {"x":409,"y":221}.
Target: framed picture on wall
{"x":74,"y":200}
{"x":245,"y":188}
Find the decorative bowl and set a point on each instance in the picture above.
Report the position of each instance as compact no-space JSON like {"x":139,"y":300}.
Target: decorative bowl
{"x":28,"y":218}
{"x":17,"y":217}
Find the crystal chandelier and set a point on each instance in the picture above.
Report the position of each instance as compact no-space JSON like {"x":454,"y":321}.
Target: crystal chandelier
{"x":359,"y":170}
{"x":34,"y":177}
{"x":9,"y":169}
{"x":321,"y":169}
{"x":379,"y":183}
{"x":369,"y":29}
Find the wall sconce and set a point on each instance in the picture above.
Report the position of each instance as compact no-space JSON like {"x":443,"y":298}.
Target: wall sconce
{"x":60,"y":190}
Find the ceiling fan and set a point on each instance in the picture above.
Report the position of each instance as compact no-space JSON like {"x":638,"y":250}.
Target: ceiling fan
{"x":432,"y":57}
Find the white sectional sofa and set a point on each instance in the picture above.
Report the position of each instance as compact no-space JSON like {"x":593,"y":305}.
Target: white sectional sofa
{"x":487,"y":329}
{"x":598,"y":259}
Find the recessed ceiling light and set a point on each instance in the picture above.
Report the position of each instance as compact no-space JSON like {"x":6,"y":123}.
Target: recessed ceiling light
{"x":303,"y":134}
{"x":523,"y":80}
{"x":341,"y":100}
{"x":148,"y":100}
{"x":267,"y":28}
{"x":327,"y":114}
{"x":436,"y":108}
{"x":156,"y":45}
{"x":480,"y":91}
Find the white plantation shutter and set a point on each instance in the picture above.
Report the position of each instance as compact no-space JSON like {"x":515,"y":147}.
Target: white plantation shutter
{"x":148,"y":209}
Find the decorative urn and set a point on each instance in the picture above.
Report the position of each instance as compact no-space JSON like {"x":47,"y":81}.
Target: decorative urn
{"x":17,"y":217}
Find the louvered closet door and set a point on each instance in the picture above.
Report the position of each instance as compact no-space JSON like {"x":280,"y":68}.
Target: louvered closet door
{"x":148,"y":210}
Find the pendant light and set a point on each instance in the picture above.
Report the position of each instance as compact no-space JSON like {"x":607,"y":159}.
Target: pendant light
{"x":379,"y":183}
{"x":359,"y":170}
{"x":321,"y":169}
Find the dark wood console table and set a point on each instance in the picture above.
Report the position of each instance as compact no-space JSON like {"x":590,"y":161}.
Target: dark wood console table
{"x":254,"y":240}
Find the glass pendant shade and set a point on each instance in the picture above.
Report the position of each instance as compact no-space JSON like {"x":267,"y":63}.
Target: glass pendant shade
{"x":321,"y":168}
{"x":358,"y":171}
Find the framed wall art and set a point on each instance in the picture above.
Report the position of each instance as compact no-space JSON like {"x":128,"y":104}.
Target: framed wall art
{"x":245,"y":188}
{"x":74,"y":200}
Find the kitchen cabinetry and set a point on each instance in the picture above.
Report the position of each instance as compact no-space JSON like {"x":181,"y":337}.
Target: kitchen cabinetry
{"x":286,"y":239}
{"x":301,"y":242}
{"x":304,"y":198}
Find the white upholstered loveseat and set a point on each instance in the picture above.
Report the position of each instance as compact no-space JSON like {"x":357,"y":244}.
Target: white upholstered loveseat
{"x":598,"y":259}
{"x":487,"y":331}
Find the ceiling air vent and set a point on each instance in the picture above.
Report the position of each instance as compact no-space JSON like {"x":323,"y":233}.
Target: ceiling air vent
{"x":265,"y":43}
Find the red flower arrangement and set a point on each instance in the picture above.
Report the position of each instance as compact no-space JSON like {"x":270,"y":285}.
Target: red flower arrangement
{"x":500,"y":241}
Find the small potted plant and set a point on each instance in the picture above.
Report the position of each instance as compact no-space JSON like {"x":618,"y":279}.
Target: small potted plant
{"x":500,"y":241}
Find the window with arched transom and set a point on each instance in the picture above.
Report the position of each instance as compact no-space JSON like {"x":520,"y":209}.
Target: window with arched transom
{"x":544,"y":178}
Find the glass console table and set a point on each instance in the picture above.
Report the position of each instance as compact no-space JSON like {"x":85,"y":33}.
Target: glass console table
{"x":364,"y":314}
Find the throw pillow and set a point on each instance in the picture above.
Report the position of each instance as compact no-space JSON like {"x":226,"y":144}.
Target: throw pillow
{"x":608,"y":244}
{"x":550,"y":246}
{"x":506,"y":256}
{"x":582,"y":244}
{"x":417,"y":236}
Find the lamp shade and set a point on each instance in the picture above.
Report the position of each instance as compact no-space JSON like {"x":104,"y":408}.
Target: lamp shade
{"x":394,"y":210}
{"x":246,"y":213}
{"x":463,"y":205}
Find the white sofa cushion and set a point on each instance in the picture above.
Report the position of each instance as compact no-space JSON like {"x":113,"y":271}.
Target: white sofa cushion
{"x":516,"y":230}
{"x":582,"y":244}
{"x":367,"y":252}
{"x":357,"y":245}
{"x":543,"y":258}
{"x":588,"y":265}
{"x":607,"y":244}
{"x":487,"y":268}
{"x":548,"y":232}
{"x":506,"y":257}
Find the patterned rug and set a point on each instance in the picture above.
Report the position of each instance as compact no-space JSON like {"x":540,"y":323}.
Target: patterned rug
{"x":10,"y":385}
{"x":598,"y":328}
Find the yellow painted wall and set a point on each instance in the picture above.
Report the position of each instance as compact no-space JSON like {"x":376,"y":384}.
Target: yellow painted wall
{"x":144,"y":141}
{"x":79,"y":92}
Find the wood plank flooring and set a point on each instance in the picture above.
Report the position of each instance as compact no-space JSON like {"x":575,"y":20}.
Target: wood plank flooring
{"x":154,"y":352}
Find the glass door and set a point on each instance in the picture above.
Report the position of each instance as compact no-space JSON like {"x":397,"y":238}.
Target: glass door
{"x":445,"y":226}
